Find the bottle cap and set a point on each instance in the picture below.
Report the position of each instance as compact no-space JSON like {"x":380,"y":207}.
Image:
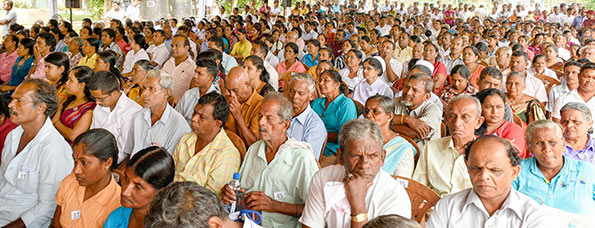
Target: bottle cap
{"x":236,"y":176}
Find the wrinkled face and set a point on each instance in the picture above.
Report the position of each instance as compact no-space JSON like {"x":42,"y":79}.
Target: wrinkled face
{"x":571,"y":75}
{"x":518,"y":63}
{"x":586,"y":80}
{"x":502,"y":58}
{"x":89,"y":169}
{"x":153,"y":94}
{"x":136,"y":193}
{"x":22,"y":108}
{"x":462,"y":118}
{"x":547,"y":147}
{"x":300,"y":95}
{"x":515,"y":85}
{"x":414,"y":93}
{"x":469,"y":57}
{"x":574,"y":124}
{"x":53,"y":72}
{"x":493,"y":109}
{"x":550,"y":53}
{"x":417,"y":52}
{"x":376,"y":113}
{"x":203,"y":122}
{"x":352,"y":59}
{"x":138,"y":74}
{"x":363,"y":157}
{"x":270,"y":125}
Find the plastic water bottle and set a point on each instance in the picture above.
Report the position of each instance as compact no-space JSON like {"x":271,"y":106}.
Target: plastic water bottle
{"x":239,"y":204}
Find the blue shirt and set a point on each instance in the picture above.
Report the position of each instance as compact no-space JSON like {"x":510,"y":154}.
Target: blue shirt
{"x":586,"y":154}
{"x":338,"y":112}
{"x":572,"y":190}
{"x":20,"y":72}
{"x":119,"y":218}
{"x":308,"y":127}
{"x":309,"y":61}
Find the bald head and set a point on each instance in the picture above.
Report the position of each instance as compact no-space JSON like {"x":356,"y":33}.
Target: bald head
{"x":237,"y":85}
{"x":292,"y":36}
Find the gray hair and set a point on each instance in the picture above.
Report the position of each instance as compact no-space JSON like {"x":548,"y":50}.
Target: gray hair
{"x":304,"y":77}
{"x":516,"y":73}
{"x":579,"y":107}
{"x":505,"y":49}
{"x":358,"y":129}
{"x":465,"y":97}
{"x":43,"y":93}
{"x":429,"y":83}
{"x":582,"y":50}
{"x":166,"y":81}
{"x":184,"y":204}
{"x":386,"y":103}
{"x":392,"y":221}
{"x":78,"y":41}
{"x":285,"y":106}
{"x":538,"y":124}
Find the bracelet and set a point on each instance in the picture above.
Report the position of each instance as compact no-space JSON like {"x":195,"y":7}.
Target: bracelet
{"x":359,"y":217}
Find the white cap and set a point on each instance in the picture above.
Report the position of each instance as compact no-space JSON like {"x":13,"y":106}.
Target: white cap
{"x":426,"y":64}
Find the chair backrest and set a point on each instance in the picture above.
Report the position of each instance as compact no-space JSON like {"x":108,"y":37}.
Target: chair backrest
{"x":237,"y":142}
{"x":359,"y":107}
{"x":422,"y":198}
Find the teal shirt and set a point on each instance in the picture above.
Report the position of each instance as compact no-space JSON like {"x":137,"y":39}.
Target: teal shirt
{"x":119,"y":218}
{"x":338,"y":112}
{"x":286,"y":178}
{"x":572,"y":190}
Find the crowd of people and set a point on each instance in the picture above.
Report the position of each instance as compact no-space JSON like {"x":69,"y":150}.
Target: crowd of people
{"x":144,"y":123}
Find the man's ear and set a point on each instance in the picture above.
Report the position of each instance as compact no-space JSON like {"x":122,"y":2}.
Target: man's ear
{"x":516,"y":170}
{"x":215,"y":222}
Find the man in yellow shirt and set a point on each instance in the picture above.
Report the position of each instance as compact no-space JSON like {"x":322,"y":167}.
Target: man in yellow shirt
{"x":242,"y":48}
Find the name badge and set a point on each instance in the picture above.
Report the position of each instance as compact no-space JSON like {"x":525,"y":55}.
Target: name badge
{"x":279,"y":195}
{"x":22,"y":175}
{"x":74,"y":215}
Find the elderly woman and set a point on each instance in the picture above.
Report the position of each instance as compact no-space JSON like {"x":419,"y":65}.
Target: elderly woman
{"x":399,"y":152}
{"x":552,"y":178}
{"x":526,"y":107}
{"x":493,"y":109}
{"x":461,"y":84}
{"x":577,"y":121}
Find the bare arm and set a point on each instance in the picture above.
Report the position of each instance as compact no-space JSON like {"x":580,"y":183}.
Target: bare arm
{"x":81,"y":126}
{"x":56,"y":219}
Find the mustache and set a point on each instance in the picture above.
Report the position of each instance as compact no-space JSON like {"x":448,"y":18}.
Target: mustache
{"x":12,"y":112}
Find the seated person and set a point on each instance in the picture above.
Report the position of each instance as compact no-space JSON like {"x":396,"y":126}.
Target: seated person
{"x":244,"y":103}
{"x":415,"y":115}
{"x":206,"y":155}
{"x":114,"y":111}
{"x":75,"y":114}
{"x":551,"y":178}
{"x":306,"y":125}
{"x":392,"y":221}
{"x":492,"y":165}
{"x":132,"y":88}
{"x":441,"y":165}
{"x":370,"y":191}
{"x":491,"y":77}
{"x":158,"y":123}
{"x":400,"y":153}
{"x":22,"y":65}
{"x":272,"y":186}
{"x":524,"y":106}
{"x":5,"y":124}
{"x":35,"y":158}
{"x":204,"y":75}
{"x":576,"y":120}
{"x":147,"y":172}
{"x":258,"y":76}
{"x":372,"y":84}
{"x":95,"y":153}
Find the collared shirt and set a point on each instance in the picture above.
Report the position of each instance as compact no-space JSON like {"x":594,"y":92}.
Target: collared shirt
{"x":286,"y":178}
{"x":297,"y":67}
{"x":166,"y":131}
{"x":385,"y":196}
{"x":228,"y":62}
{"x":11,"y":17}
{"x":182,"y":74}
{"x":159,"y":54}
{"x":351,"y":82}
{"x":114,"y":47}
{"x":29,"y":180}
{"x":515,"y":134}
{"x":39,"y":72}
{"x":273,"y":75}
{"x":571,"y":190}
{"x":92,"y":212}
{"x":555,"y":93}
{"x":186,"y":105}
{"x":403,"y":55}
{"x":7,"y":61}
{"x":241,"y":48}
{"x":117,"y":121}
{"x":212,"y":167}
{"x":88,"y":61}
{"x":573,"y":96}
{"x":465,"y":209}
{"x":450,"y":63}
{"x":364,"y":90}
{"x":585,"y":154}
{"x":338,"y":112}
{"x":442,"y":168}
{"x":308,"y":127}
{"x":131,"y":59}
{"x":310,"y":61}
{"x":309,"y":35}
{"x":429,"y":112}
{"x":250,"y":110}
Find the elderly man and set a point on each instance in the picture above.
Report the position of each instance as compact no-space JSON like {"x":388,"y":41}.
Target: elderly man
{"x":369,"y":191}
{"x":35,"y":158}
{"x":277,"y":170}
{"x":585,"y":93}
{"x":158,"y":123}
{"x":492,"y":164}
{"x":535,"y":86}
{"x":441,"y":166}
{"x":415,"y":115}
{"x":588,"y":52}
{"x":306,"y":125}
{"x":180,"y":66}
{"x":503,"y":55}
{"x":206,"y":155}
{"x":204,"y":74}
{"x":114,"y":110}
{"x":551,"y":178}
{"x":244,"y":103}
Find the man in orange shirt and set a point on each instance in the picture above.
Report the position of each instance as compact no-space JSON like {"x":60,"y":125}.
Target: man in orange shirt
{"x":244,"y":103}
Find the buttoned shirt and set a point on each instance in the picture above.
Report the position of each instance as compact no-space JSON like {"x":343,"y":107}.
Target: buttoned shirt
{"x":117,"y":121}
{"x":286,"y":178}
{"x":337,"y":113}
{"x":182,"y":74}
{"x":131,"y":59}
{"x":241,"y":48}
{"x":250,"y":110}
{"x":429,"y":112}
{"x":88,"y":61}
{"x":571,"y":190}
{"x":308,"y":127}
{"x":555,"y":93}
{"x":114,"y":47}
{"x":364,"y":90}
{"x":385,"y":196}
{"x":451,"y":63}
{"x":29,"y":180}
{"x":6,"y":62}
{"x":441,"y":167}
{"x":39,"y":72}
{"x":228,"y":62}
{"x":465,"y":209}
{"x":585,"y":154}
{"x":212,"y":167}
{"x":351,"y":82}
{"x":573,"y":96}
{"x":403,"y":55}
{"x":186,"y":105}
{"x":165,"y":132}
{"x":159,"y":54}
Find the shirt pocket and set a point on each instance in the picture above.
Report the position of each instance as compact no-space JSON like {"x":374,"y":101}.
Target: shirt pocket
{"x":27,"y":180}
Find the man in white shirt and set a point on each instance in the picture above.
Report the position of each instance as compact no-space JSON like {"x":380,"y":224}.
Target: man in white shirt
{"x":276,"y":9}
{"x":492,"y":165}
{"x":369,"y":191}
{"x":9,"y":18}
{"x":569,"y":83}
{"x":535,"y":86}
{"x":585,"y":93}
{"x":309,"y":34}
{"x":158,"y":50}
{"x":391,"y":68}
{"x":180,"y":66}
{"x":202,"y":83}
{"x":383,"y":27}
{"x":114,"y":13}
{"x":133,"y":11}
{"x":114,"y":110}
{"x":454,"y":55}
{"x":158,"y":123}
{"x":35,"y":158}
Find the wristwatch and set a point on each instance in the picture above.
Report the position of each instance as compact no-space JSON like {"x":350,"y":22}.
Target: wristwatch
{"x":359,"y":217}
